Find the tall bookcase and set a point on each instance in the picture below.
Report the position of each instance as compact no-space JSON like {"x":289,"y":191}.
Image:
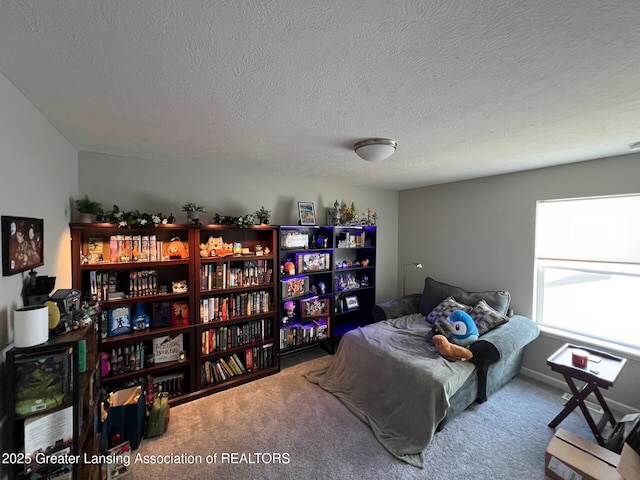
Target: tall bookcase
{"x":52,"y":407}
{"x":152,"y":287}
{"x":327,"y":283}
{"x":354,"y":278}
{"x":235,"y":298}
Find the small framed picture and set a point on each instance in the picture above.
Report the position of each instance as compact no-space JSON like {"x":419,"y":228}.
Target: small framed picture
{"x":307,"y":213}
{"x":351,"y":302}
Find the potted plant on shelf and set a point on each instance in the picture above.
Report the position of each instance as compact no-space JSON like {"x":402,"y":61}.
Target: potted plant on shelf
{"x":193,"y":211}
{"x":262,"y":214}
{"x":87,"y":208}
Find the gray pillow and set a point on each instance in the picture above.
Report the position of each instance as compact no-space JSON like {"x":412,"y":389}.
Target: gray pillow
{"x":486,"y":318}
{"x":446,"y":308}
{"x":435,"y":292}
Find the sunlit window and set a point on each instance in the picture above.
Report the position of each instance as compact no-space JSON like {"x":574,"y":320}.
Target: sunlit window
{"x":588,"y":268}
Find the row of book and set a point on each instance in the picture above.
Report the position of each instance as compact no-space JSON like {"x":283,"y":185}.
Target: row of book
{"x":224,"y":368}
{"x":231,"y":336}
{"x":298,"y":334}
{"x":140,"y":355}
{"x":128,"y":358}
{"x":238,"y":274}
{"x":172,"y":383}
{"x":126,"y":319}
{"x":126,"y":248}
{"x":105,"y":285}
{"x":231,"y":306}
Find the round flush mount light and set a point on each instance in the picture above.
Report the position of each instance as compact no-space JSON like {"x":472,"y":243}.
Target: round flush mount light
{"x":375,"y":149}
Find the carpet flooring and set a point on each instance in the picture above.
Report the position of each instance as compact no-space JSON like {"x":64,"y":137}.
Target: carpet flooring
{"x":283,"y":427}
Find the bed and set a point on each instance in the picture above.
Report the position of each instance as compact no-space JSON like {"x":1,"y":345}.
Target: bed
{"x":392,"y":377}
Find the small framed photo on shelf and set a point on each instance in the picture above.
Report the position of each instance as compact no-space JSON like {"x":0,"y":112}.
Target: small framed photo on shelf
{"x":351,"y":302}
{"x":307,"y":213}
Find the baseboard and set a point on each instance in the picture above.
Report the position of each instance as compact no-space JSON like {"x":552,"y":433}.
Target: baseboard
{"x":562,"y":386}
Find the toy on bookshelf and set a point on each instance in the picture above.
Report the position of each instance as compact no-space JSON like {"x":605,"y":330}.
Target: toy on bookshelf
{"x":176,"y":250}
{"x":140,"y":317}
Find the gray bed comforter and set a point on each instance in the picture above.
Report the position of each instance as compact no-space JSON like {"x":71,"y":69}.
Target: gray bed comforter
{"x":393,"y":379}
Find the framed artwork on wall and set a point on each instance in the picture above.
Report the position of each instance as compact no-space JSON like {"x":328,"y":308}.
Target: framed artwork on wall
{"x":307,"y":213}
{"x":22,"y":244}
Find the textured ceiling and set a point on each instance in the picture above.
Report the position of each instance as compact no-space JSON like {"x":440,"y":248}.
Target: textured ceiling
{"x":468,"y":88}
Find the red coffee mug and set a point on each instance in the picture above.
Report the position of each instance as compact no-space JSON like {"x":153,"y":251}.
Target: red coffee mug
{"x":579,"y":357}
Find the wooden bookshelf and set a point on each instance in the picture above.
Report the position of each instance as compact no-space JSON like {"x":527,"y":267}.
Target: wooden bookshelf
{"x":93,"y":263}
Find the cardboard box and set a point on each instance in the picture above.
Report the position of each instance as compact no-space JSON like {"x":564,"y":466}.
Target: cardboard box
{"x":629,"y":465}
{"x":569,"y":457}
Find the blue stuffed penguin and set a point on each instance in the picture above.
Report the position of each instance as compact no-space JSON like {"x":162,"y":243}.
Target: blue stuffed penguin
{"x":465,"y":331}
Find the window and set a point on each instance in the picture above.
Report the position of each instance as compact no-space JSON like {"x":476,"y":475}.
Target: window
{"x":588,"y":268}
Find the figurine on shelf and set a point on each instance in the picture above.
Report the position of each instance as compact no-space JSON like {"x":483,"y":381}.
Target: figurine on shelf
{"x":289,"y":308}
{"x":179,"y":286}
{"x":140,"y":318}
{"x":176,"y":250}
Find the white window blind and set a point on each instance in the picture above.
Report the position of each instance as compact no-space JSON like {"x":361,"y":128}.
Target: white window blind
{"x":603,"y":229}
{"x":587,"y":260}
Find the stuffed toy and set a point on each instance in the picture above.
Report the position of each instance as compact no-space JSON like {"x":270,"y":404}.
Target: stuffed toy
{"x":176,"y":250}
{"x":465,"y":331}
{"x":213,"y":245}
{"x":451,"y":351}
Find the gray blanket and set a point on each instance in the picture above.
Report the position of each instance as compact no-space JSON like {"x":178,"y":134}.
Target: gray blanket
{"x":393,"y":379}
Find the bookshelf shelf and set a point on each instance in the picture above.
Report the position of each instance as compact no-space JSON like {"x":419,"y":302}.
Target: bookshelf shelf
{"x":152,"y":370}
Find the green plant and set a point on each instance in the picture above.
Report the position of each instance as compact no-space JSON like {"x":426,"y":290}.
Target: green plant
{"x":193,"y":207}
{"x":86,"y":205}
{"x":262,"y":214}
{"x":242,"y":222}
{"x":135,"y":217}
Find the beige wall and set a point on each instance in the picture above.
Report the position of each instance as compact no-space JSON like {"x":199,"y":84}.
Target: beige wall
{"x":152,"y":186}
{"x":39,"y":177}
{"x":479,"y":234}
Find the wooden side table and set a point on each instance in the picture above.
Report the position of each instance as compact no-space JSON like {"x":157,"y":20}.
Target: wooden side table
{"x":601,"y":371}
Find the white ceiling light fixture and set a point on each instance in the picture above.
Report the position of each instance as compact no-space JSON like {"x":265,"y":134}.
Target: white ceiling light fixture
{"x":375,"y":149}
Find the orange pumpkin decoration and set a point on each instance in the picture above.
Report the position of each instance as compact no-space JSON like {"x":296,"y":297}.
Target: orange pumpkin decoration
{"x":176,"y":250}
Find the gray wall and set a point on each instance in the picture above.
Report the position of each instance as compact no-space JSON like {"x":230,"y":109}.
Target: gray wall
{"x":152,"y":186}
{"x":479,"y":234}
{"x":39,"y":177}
